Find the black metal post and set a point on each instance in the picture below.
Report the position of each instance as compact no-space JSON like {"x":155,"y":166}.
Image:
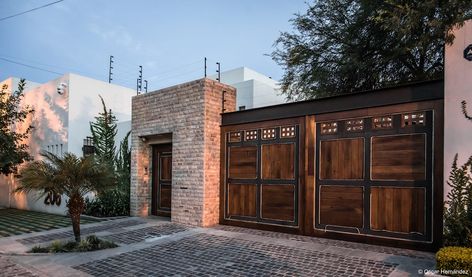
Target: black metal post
{"x":109,"y":69}
{"x":140,"y":78}
{"x":219,"y":72}
{"x":223,"y":100}
{"x":205,"y":67}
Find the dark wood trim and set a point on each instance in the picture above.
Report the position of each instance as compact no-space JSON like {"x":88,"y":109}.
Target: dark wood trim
{"x":309,"y":184}
{"x":424,"y":91}
{"x":438,"y":169}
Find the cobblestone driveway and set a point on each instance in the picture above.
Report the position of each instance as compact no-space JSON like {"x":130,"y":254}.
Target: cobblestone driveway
{"x":203,"y":255}
{"x":155,"y":247}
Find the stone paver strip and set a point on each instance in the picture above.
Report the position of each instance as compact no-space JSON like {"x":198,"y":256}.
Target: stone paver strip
{"x":204,"y":254}
{"x":146,"y":233}
{"x":16,"y":222}
{"x":106,"y":226}
{"x":330,"y":242}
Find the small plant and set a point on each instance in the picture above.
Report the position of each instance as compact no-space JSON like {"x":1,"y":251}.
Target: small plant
{"x":39,"y":249}
{"x":457,"y":215}
{"x":91,"y":243}
{"x":56,"y":247}
{"x":454,"y":258}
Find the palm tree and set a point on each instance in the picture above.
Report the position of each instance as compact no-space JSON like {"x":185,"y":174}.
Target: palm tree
{"x":69,"y":175}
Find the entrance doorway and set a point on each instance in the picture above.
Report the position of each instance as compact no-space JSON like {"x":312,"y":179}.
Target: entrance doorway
{"x":161,"y":179}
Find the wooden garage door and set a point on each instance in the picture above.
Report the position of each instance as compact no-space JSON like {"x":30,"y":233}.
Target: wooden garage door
{"x":374,"y":175}
{"x":261,"y":175}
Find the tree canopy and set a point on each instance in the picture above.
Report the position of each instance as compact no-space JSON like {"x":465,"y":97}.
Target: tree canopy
{"x":13,"y":149}
{"x":342,"y":46}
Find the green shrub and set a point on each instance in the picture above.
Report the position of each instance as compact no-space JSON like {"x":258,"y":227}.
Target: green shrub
{"x":56,"y":247}
{"x":39,"y":249}
{"x":458,"y":210}
{"x":110,"y":203}
{"x":458,"y":259}
{"x":91,"y":243}
{"x":69,"y":246}
{"x":83,"y":246}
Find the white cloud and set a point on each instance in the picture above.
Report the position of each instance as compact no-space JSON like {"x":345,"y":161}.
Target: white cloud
{"x":117,"y":35}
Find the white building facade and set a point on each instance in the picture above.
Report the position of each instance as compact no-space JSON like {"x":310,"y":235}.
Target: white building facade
{"x":254,"y":89}
{"x":64,"y":108}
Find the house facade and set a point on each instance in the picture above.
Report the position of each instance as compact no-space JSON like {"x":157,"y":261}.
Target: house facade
{"x":367,"y":167}
{"x":64,"y":108}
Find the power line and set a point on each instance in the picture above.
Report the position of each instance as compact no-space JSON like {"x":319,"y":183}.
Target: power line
{"x":33,"y":9}
{"x":31,"y":66}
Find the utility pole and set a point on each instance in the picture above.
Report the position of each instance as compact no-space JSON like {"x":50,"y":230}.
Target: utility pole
{"x":109,"y":70}
{"x":218,"y":70}
{"x":137,"y":86}
{"x":145,"y":85}
{"x":205,"y":67}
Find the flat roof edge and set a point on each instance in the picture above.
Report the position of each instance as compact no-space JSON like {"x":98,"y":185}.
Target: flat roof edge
{"x":416,"y":92}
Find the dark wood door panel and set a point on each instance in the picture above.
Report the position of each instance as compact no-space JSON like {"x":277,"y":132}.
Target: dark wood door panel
{"x":278,"y":202}
{"x":166,"y":168}
{"x":399,"y":157}
{"x":165,"y":196}
{"x":161,"y":201}
{"x":398,"y":209}
{"x":278,"y":161}
{"x":341,"y":206}
{"x":342,"y":159}
{"x":242,"y":162}
{"x":242,"y":200}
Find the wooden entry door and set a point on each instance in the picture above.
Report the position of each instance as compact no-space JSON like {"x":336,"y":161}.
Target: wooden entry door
{"x":161,"y":179}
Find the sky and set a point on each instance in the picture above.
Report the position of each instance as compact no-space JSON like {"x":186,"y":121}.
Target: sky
{"x":168,"y":38}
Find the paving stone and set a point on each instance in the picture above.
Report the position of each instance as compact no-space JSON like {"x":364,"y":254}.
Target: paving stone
{"x":106,"y":226}
{"x":330,"y":242}
{"x":212,"y":255}
{"x":145,"y":233}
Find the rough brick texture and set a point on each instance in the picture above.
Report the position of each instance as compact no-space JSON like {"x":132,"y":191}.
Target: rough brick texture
{"x":191,"y":112}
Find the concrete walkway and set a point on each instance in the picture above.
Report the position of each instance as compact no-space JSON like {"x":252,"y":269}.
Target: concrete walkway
{"x":155,"y":247}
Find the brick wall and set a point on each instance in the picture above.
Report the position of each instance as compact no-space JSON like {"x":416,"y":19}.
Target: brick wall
{"x":191,"y":113}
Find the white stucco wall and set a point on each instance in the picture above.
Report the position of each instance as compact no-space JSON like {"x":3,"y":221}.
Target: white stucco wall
{"x":50,"y":121}
{"x":85,"y":104}
{"x":244,"y":94}
{"x":458,"y":87}
{"x":253,"y":89}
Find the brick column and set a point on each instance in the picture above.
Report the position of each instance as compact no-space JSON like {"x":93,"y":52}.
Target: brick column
{"x":190,"y":112}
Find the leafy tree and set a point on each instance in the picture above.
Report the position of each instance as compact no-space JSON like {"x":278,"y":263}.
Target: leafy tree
{"x":104,"y":131}
{"x":13,"y":150}
{"x":69,"y":175}
{"x":342,"y":46}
